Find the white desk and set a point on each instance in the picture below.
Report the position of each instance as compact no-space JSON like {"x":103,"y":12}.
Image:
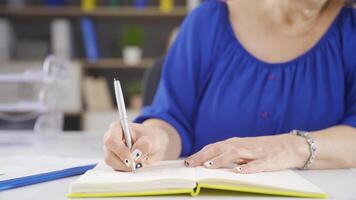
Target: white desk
{"x":339,"y":184}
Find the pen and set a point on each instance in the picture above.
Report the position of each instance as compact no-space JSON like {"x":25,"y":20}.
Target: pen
{"x":123,"y":116}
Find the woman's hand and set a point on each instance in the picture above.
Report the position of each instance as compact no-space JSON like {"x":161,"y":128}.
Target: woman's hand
{"x":149,"y":145}
{"x":255,"y":154}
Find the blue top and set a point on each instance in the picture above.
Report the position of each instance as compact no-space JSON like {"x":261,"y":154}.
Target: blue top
{"x":213,"y":89}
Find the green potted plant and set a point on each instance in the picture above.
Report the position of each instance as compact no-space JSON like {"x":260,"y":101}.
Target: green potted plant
{"x":132,"y":42}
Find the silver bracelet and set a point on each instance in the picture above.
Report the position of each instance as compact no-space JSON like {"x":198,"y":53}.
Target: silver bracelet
{"x":312,"y":146}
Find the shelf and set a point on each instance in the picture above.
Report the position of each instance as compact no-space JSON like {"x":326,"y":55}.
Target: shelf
{"x":100,"y":11}
{"x":27,"y":76}
{"x":23,"y":107}
{"x":106,"y":63}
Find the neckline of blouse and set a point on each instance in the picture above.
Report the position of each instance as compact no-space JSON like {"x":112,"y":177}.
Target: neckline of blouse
{"x":328,"y":33}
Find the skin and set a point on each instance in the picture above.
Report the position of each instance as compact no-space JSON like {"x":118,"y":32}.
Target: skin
{"x":277,"y":31}
{"x":156,"y":139}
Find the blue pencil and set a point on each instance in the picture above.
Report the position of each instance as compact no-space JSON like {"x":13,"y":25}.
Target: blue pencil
{"x":44,"y":177}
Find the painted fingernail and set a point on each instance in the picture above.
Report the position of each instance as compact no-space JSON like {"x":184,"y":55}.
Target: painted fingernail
{"x":136,"y":154}
{"x":186,"y":163}
{"x":127,"y":163}
{"x":238,"y":169}
{"x":208,"y":164}
{"x":138,"y":165}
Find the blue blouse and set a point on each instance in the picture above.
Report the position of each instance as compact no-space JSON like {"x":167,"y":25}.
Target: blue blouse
{"x":212,"y":88}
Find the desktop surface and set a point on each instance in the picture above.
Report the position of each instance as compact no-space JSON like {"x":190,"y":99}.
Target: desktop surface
{"x":339,"y":184}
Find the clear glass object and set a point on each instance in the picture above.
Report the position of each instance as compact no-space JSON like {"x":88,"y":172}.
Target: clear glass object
{"x":55,"y":70}
{"x":33,"y":96}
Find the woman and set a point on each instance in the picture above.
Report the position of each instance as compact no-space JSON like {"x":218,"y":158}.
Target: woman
{"x":268,"y":85}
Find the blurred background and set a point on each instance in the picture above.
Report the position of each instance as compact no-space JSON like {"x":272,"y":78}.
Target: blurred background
{"x":58,"y":59}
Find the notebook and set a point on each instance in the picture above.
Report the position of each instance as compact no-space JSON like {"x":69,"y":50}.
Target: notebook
{"x":172,"y":177}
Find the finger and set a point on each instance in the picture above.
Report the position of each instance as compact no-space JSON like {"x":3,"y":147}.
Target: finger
{"x":229,"y":157}
{"x":133,"y":133}
{"x":241,"y":161}
{"x":220,"y":160}
{"x":142,"y":152}
{"x":207,"y":147}
{"x":120,"y":150}
{"x":203,"y":157}
{"x":143,"y":161}
{"x":141,"y":149}
{"x":112,"y":160}
{"x":147,"y":159}
{"x":115,"y":130}
{"x":189,"y":160}
{"x":114,"y":133}
{"x":254,"y":166}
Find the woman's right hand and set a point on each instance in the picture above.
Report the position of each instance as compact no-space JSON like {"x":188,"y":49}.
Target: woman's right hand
{"x":149,"y":145}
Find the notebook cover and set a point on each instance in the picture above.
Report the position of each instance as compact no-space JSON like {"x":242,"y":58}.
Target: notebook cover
{"x":267,"y":191}
{"x":196,"y":191}
{"x":132,"y":194}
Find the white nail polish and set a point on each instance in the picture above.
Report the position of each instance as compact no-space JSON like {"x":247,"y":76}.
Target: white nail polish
{"x":127,"y":162}
{"x":138,"y":165}
{"x":208,"y":163}
{"x":136,"y":154}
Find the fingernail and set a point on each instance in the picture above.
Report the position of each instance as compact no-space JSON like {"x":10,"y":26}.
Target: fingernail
{"x":138,"y":165}
{"x":186,"y":163}
{"x":136,"y":154}
{"x":238,"y":169}
{"x":127,"y":162}
{"x":208,"y":164}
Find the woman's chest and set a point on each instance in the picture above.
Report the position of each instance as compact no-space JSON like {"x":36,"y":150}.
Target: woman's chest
{"x":251,"y":101}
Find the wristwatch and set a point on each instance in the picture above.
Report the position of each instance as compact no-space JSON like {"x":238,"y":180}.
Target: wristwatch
{"x":312,"y":146}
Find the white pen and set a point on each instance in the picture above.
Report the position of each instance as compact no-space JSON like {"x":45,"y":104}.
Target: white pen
{"x":123,"y":117}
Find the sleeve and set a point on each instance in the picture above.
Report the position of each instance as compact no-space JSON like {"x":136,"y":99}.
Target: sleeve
{"x":349,"y":46}
{"x":177,"y":94}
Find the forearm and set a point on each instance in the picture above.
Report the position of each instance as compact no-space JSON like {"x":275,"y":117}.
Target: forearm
{"x":170,"y":137}
{"x":336,"y":147}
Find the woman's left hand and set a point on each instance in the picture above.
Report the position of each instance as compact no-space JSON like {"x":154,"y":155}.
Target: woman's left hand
{"x":254,"y":154}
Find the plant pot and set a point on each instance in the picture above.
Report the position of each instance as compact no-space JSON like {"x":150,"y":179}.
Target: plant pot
{"x":136,"y":102}
{"x":132,"y":55}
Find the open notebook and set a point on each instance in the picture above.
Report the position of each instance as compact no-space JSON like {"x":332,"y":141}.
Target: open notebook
{"x":172,"y":177}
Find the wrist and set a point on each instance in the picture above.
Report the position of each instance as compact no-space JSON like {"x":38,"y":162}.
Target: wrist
{"x":299,"y":150}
